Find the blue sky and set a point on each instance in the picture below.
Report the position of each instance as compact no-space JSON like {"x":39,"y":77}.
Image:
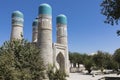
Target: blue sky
{"x":87,"y":32}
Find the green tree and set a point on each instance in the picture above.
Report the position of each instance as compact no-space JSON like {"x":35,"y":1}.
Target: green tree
{"x":82,"y":59}
{"x":116,"y":56}
{"x":59,"y":75}
{"x":108,"y":59}
{"x":99,"y":60}
{"x":88,"y":62}
{"x":71,"y":58}
{"x":20,"y":60}
{"x":111,"y":9}
{"x":112,"y":64}
{"x":55,"y":74}
{"x":75,"y":58}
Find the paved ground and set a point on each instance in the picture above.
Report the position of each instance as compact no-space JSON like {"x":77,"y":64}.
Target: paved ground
{"x":80,"y":76}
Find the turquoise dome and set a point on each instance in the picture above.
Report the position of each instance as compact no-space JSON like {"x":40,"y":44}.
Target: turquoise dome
{"x":17,"y":14}
{"x":45,"y":9}
{"x":35,"y":22}
{"x":62,"y":19}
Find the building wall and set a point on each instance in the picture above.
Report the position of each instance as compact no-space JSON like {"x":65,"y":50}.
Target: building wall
{"x":60,"y":49}
{"x":45,"y":38}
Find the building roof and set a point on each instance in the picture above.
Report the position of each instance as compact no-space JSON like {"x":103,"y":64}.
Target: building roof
{"x":45,"y":9}
{"x":35,"y":22}
{"x":17,"y":14}
{"x":62,"y":19}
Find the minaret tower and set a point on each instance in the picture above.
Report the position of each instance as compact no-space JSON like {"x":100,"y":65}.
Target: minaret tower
{"x":62,"y":29}
{"x":45,"y":33}
{"x":62,"y":37}
{"x":35,"y":31}
{"x":17,"y":25}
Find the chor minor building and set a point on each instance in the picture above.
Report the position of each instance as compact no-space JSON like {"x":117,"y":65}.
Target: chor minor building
{"x":55,"y":54}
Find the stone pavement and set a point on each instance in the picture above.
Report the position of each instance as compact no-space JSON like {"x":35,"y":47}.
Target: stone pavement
{"x":80,"y":76}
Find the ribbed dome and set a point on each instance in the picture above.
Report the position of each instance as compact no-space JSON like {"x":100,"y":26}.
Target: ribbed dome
{"x":45,"y":9}
{"x":35,"y":22}
{"x":17,"y":14}
{"x":62,"y":19}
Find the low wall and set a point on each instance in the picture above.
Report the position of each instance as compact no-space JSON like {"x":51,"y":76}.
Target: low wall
{"x":110,"y":78}
{"x":74,"y":69}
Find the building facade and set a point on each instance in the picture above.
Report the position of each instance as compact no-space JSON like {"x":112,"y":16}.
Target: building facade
{"x":54,"y":54}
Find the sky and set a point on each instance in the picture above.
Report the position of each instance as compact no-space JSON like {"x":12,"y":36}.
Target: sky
{"x":87,"y":32}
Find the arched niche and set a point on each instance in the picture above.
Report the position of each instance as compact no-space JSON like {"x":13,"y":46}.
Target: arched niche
{"x":61,"y":61}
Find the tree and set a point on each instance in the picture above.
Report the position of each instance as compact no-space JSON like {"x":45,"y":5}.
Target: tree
{"x":82,"y":59}
{"x":108,"y":59}
{"x":88,"y":62}
{"x":75,"y":58}
{"x":20,"y":60}
{"x":99,"y":60}
{"x":116,"y":56}
{"x":55,"y":74}
{"x":112,"y":64}
{"x":111,"y":9}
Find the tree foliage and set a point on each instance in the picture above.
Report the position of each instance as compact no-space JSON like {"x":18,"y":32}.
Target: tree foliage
{"x":116,"y":56}
{"x":111,"y":9}
{"x":20,"y":60}
{"x":88,"y":62}
{"x":101,"y":60}
{"x":55,"y":74}
{"x":75,"y":58}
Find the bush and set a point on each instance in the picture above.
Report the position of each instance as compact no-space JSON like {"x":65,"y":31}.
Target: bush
{"x":56,"y":74}
{"x":20,"y":60}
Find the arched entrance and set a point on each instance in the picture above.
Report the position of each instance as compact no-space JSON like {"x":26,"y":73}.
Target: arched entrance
{"x":61,"y":61}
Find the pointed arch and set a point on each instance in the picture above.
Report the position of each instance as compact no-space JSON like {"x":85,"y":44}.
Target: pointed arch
{"x":61,"y":61}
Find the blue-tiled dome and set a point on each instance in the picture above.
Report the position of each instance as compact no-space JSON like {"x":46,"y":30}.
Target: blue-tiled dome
{"x":62,"y":19}
{"x":17,"y":14}
{"x":35,"y":22}
{"x":45,"y":9}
